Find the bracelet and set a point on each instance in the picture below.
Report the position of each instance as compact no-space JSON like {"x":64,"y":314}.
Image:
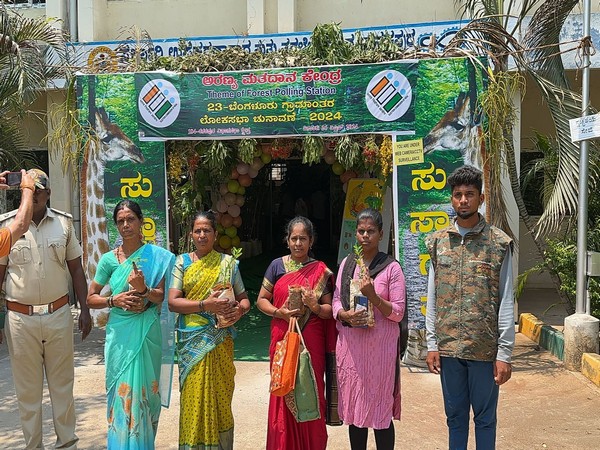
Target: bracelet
{"x":201,"y":306}
{"x":380,"y":302}
{"x":28,"y":187}
{"x":275,"y":312}
{"x":110,"y":302}
{"x":145,"y":291}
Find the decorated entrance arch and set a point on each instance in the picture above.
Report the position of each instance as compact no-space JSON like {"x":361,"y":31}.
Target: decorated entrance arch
{"x":352,"y":117}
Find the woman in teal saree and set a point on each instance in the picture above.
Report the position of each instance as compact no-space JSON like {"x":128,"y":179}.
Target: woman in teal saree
{"x":135,"y":273}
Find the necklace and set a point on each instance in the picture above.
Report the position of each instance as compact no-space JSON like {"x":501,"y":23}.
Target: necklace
{"x":292,"y":265}
{"x":120,"y":252}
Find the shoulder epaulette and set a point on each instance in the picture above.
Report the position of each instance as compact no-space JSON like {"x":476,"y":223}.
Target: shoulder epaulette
{"x":61,"y":213}
{"x":8,"y":215}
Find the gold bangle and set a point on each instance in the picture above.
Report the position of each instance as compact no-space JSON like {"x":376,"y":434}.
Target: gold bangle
{"x":275,"y":312}
{"x":380,"y":302}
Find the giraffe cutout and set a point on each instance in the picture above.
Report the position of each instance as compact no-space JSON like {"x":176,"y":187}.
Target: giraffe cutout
{"x":110,"y":144}
{"x":459,"y":129}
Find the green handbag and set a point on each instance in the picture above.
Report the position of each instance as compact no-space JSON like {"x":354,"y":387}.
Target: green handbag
{"x":303,"y":400}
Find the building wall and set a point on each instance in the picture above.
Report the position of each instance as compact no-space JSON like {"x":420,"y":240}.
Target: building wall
{"x":356,"y":13}
{"x":168,"y":18}
{"x":186,"y":18}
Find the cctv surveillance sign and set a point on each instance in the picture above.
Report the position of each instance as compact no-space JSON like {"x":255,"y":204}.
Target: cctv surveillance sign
{"x":586,"y":127}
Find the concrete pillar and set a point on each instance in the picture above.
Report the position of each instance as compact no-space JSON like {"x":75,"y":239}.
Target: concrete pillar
{"x":255,"y":16}
{"x":57,"y":9}
{"x":581,"y":336}
{"x":286,"y":16}
{"x":87,"y":10}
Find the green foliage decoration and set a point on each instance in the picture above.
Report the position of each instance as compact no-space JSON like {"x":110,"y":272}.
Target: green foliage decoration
{"x":347,"y":151}
{"x":246,"y":150}
{"x":218,"y":158}
{"x":312,"y":147}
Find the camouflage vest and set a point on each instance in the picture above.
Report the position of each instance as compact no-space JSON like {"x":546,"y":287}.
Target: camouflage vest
{"x":467,"y":280}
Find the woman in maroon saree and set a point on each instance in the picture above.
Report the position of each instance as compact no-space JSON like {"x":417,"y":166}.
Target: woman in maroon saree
{"x":299,"y":270}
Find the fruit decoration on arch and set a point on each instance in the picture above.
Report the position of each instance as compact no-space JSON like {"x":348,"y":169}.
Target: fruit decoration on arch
{"x":348,"y":156}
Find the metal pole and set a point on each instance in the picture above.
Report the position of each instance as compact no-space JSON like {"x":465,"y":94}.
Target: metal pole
{"x":582,"y":208}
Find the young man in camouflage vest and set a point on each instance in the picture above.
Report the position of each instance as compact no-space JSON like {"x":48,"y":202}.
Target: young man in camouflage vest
{"x":470,"y":315}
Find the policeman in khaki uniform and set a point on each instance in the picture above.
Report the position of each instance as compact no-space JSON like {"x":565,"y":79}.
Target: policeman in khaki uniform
{"x":39,"y":325}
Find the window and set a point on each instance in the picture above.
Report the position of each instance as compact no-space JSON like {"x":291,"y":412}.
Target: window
{"x":278,"y":171}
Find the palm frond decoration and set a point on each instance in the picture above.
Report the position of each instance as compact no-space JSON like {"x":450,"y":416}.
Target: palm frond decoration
{"x":32,"y":52}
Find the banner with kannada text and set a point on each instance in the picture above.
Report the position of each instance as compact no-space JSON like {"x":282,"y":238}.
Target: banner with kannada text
{"x":330,"y":100}
{"x":117,"y":166}
{"x":447,"y":135}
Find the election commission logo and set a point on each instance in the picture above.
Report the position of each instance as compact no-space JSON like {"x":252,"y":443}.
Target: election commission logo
{"x":388,"y":95}
{"x":159,"y":103}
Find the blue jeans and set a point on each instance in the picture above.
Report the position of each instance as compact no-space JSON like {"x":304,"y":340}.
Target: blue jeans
{"x":467,"y":384}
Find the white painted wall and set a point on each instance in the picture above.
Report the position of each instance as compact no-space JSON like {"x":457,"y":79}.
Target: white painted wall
{"x":102,"y":20}
{"x":354,"y":13}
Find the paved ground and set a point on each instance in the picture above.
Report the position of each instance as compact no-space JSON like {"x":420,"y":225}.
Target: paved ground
{"x":544,"y":406}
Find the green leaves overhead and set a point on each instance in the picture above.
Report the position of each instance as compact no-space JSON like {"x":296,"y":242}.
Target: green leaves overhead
{"x":347,"y":151}
{"x":217,"y":156}
{"x":538,"y":55}
{"x":312,"y":148}
{"x":246,"y":150}
{"x":32,"y":51}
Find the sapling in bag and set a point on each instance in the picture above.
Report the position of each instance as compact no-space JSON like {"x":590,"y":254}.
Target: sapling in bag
{"x":285,"y":362}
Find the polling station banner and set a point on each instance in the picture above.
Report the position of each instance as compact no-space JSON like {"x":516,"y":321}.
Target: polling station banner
{"x":330,"y":100}
{"x":117,"y":166}
{"x":447,"y":134}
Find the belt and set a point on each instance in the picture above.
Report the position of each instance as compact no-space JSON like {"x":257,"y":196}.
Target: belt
{"x":40,"y":310}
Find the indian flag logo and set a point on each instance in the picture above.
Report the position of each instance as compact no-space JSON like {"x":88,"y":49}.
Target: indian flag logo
{"x":159,"y":103}
{"x":388,"y":95}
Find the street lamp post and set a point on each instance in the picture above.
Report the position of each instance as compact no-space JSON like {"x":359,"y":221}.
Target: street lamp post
{"x":581,"y":329}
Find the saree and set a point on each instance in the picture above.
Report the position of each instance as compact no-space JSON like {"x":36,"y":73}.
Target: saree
{"x":133,"y":354}
{"x":205,"y":356}
{"x":283,"y":432}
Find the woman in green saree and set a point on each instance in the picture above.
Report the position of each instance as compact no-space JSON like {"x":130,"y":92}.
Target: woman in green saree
{"x":205,"y":352}
{"x":135,"y":273}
